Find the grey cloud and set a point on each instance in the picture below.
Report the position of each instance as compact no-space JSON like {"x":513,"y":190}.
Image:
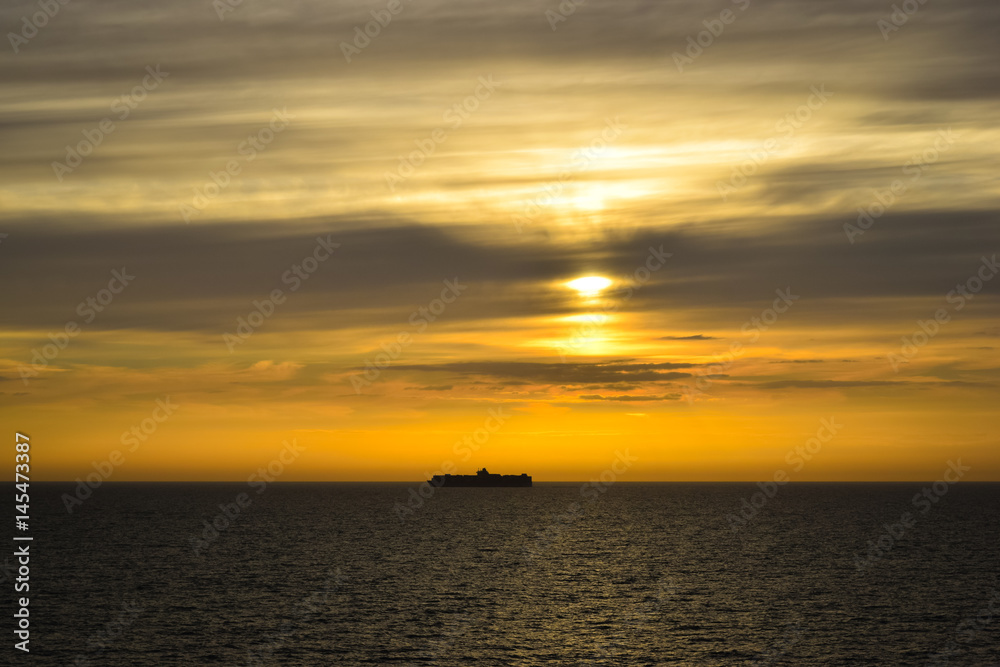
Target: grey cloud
{"x":627,"y":399}
{"x":849,"y":384}
{"x":828,"y":384}
{"x":695,"y":337}
{"x":799,"y":361}
{"x":557,"y":373}
{"x":203,"y":277}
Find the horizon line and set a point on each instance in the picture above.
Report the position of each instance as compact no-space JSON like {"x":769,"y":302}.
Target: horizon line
{"x":582,"y":481}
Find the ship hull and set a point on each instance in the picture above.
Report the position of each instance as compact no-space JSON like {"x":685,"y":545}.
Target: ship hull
{"x":478,"y":481}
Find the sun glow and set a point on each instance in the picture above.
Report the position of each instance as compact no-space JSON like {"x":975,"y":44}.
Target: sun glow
{"x":589,"y":285}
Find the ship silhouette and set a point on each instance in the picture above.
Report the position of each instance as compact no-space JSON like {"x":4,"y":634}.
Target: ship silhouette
{"x":482,"y":478}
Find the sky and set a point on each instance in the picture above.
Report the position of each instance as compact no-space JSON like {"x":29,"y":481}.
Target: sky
{"x":728,"y":239}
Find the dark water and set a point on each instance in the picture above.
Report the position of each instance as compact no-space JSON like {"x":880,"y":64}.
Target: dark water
{"x":643,"y":574}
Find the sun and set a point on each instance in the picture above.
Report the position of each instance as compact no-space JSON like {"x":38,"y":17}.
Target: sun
{"x":589,"y":285}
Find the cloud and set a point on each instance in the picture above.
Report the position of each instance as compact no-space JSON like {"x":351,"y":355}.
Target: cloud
{"x":557,"y":373}
{"x":694,"y":337}
{"x":799,"y":361}
{"x":628,"y":399}
{"x":828,"y":384}
{"x":617,"y":386}
{"x":201,"y":278}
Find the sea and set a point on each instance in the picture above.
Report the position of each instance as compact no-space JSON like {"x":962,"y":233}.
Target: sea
{"x":557,"y":574}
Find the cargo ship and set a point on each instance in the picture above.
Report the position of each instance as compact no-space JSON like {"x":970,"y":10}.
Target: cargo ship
{"x":482,"y":478}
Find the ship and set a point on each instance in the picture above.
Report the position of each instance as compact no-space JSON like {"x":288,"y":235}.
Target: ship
{"x":482,"y":478}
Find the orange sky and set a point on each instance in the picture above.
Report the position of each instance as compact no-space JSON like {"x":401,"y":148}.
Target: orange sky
{"x":372,"y":258}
